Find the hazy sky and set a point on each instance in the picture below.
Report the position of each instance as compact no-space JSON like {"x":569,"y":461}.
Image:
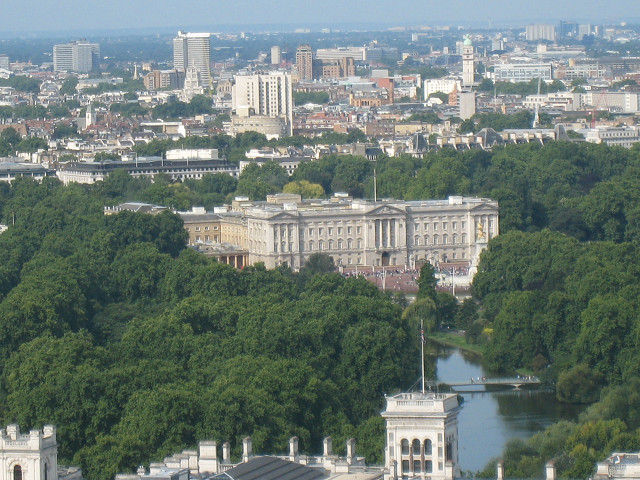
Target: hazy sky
{"x":60,"y":15}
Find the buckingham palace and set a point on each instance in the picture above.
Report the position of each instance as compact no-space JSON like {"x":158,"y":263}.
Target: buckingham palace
{"x":288,"y":230}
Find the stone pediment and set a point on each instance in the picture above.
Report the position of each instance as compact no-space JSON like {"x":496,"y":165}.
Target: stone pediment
{"x":284,"y":216}
{"x":385,"y":210}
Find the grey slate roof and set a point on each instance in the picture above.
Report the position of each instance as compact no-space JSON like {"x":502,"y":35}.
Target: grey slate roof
{"x":271,"y":468}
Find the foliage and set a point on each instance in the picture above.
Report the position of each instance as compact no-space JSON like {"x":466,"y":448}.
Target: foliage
{"x":22,"y":83}
{"x":69,"y":85}
{"x":137,"y":347}
{"x":302,"y":98}
{"x":304,"y":188}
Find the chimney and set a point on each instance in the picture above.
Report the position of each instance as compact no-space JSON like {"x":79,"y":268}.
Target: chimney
{"x":141,"y":471}
{"x":500,"y":470}
{"x":293,"y":449}
{"x":327,"y":447}
{"x":226,"y":452}
{"x":208,"y":457}
{"x":550,"y":471}
{"x":351,"y":450}
{"x":246,"y":449}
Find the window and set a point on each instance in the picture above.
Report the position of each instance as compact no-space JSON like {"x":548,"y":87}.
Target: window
{"x":426,"y":226}
{"x":330,"y":244}
{"x":454,"y":225}
{"x":197,"y":229}
{"x":206,"y":238}
{"x":444,"y":225}
{"x":17,"y":472}
{"x":428,"y":466}
{"x":320,"y":245}
{"x":349,"y":230}
{"x":339,"y":230}
{"x":340,"y":244}
{"x":435,"y":239}
{"x":427,"y":447}
{"x":416,"y":226}
{"x":404,"y":446}
{"x":416,"y":240}
{"x":311,"y":232}
{"x":359,"y":230}
{"x":455,"y":239}
{"x":426,"y":239}
{"x":206,"y":228}
{"x":359,"y":243}
{"x":415,"y":446}
{"x":445,"y":239}
{"x":464,"y":238}
{"x":439,"y":465}
{"x":198,"y":238}
{"x":329,"y":231}
{"x":311,"y":245}
{"x":417,"y":468}
{"x":462,"y":225}
{"x":349,"y":243}
{"x":320,"y":230}
{"x":405,"y":466}
{"x":435,"y":226}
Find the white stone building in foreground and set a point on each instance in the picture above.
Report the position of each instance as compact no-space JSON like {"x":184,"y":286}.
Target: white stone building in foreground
{"x":287,"y":230}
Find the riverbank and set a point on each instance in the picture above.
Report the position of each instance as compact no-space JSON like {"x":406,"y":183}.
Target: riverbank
{"x":455,"y":339}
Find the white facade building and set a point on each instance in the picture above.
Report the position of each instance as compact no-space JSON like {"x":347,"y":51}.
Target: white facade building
{"x":31,"y":456}
{"x":612,"y":136}
{"x":193,"y":50}
{"x":285,"y":230}
{"x":444,"y":85}
{"x":332,"y":54}
{"x":276,"y":55}
{"x":422,"y":436}
{"x":268,"y":95}
{"x":81,"y":57}
{"x":541,"y":32}
{"x":522,"y":72}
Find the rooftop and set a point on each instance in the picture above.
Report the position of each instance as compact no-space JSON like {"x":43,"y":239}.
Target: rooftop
{"x":271,"y":468}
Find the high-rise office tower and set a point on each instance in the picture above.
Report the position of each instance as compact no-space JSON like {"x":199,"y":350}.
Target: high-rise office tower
{"x":79,"y":57}
{"x":541,"y":31}
{"x":276,"y":55}
{"x":468,"y":63}
{"x":4,"y":62}
{"x":304,"y":62}
{"x":193,"y":50}
{"x":269,"y":95}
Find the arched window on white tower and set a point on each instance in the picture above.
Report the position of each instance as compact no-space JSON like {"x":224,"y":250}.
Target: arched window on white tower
{"x":427,"y":447}
{"x":404,"y":446}
{"x":415,"y":446}
{"x":17,"y":472}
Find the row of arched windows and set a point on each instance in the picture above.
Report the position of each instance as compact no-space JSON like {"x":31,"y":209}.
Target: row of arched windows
{"x":415,"y":447}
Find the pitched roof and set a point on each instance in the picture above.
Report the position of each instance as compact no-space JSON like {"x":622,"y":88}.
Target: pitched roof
{"x":271,"y":468}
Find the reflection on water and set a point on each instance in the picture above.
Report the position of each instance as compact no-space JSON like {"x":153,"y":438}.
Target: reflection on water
{"x":489,"y":419}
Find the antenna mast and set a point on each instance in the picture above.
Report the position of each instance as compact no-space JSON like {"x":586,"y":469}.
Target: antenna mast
{"x":422,"y":353}
{"x":375,"y":184}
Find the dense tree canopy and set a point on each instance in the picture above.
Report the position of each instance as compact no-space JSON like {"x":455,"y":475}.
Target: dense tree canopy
{"x":137,"y":347}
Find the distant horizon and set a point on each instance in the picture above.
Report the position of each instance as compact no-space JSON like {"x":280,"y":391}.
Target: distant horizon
{"x":39,"y":18}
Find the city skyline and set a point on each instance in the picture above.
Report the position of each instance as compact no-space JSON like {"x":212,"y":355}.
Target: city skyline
{"x":47,"y":16}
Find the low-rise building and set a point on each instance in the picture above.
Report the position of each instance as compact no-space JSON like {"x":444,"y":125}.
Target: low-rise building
{"x":91,"y":172}
{"x":9,"y":171}
{"x":619,"y":136}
